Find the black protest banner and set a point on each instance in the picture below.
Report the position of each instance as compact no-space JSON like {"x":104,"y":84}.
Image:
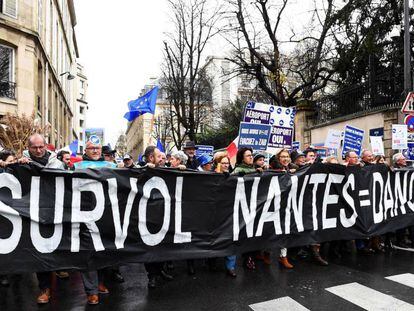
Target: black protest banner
{"x":52,"y":219}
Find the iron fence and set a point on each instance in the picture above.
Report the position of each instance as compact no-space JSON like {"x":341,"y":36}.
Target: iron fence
{"x":383,"y":91}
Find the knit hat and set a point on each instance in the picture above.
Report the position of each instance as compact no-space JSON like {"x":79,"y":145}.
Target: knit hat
{"x":257,"y":156}
{"x":204,"y":159}
{"x":296,"y":154}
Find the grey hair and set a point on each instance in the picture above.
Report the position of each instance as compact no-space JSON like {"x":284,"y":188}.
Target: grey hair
{"x":181,"y":156}
{"x":35,"y":135}
{"x":396,"y":157}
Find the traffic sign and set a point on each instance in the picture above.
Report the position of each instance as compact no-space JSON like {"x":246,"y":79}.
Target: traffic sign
{"x":409,"y":121}
{"x":408,"y":106}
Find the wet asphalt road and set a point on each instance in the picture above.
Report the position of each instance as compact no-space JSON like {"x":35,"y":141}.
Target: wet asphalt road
{"x":306,"y":284}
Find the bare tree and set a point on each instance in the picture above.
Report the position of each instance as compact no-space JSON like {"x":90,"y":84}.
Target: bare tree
{"x":162,"y":127}
{"x":184,"y":79}
{"x":257,"y":43}
{"x":15,"y":130}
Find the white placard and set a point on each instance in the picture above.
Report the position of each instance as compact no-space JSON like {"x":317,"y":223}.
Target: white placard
{"x":399,"y":136}
{"x":333,"y":140}
{"x":377,"y":146}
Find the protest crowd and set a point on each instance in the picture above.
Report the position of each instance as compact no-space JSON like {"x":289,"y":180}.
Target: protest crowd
{"x":246,"y":162}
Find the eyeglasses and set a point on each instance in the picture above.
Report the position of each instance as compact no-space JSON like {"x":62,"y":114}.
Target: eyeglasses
{"x":93,"y":148}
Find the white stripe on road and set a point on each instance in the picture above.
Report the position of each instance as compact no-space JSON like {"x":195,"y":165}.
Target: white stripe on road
{"x":406,"y":279}
{"x":368,"y":298}
{"x":363,"y":193}
{"x":284,"y":303}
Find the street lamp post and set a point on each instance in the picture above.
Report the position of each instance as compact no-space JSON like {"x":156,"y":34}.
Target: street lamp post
{"x":407,"y":49}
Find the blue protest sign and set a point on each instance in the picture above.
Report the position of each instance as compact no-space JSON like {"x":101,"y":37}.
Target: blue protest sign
{"x":296,"y":145}
{"x":257,"y":113}
{"x":255,"y":136}
{"x":409,"y":153}
{"x":280,"y":137}
{"x":204,"y":149}
{"x":353,"y":140}
{"x":323,"y":151}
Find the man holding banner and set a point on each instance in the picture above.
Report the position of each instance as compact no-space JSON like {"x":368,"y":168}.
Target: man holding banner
{"x":93,"y":281}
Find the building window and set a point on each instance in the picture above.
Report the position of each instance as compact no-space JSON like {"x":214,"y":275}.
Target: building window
{"x":81,"y":110}
{"x":81,"y":123}
{"x":39,"y":105}
{"x":7,"y":85}
{"x":9,"y":7}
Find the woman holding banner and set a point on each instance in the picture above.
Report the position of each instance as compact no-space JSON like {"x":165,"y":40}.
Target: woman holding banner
{"x":244,"y":165}
{"x":222,"y":165}
{"x":280,"y":162}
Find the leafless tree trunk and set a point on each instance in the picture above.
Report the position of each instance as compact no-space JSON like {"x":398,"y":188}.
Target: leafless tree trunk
{"x":183,"y":77}
{"x":257,"y":45}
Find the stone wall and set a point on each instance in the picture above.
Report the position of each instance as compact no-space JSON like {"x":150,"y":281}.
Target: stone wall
{"x":308,"y":132}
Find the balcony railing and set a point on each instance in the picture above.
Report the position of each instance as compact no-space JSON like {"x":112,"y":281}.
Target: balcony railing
{"x":384,"y":91}
{"x":8,"y":89}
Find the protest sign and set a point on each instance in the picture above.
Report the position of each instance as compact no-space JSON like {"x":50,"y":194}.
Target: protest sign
{"x":377,"y":146}
{"x":353,"y":138}
{"x":333,"y":140}
{"x":257,"y":113}
{"x":379,"y":131}
{"x":409,"y":153}
{"x":280,"y":137}
{"x":280,"y":118}
{"x":322,"y":151}
{"x":399,"y":136}
{"x":204,"y":149}
{"x":255,"y":136}
{"x":95,"y":133}
{"x":269,"y":114}
{"x":296,"y":145}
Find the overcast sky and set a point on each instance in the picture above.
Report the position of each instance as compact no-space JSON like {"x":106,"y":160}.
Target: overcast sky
{"x":120,"y":46}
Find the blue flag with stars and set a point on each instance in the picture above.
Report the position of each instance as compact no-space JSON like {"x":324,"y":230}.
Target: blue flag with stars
{"x":141,"y":105}
{"x":160,"y":146}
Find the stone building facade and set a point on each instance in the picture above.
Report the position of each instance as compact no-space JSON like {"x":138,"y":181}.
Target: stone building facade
{"x":38,"y":53}
{"x":81,"y":107}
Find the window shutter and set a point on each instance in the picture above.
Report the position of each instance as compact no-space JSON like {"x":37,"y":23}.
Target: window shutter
{"x":10,"y":7}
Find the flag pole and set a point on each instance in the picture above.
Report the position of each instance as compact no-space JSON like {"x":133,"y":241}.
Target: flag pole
{"x":151,"y":128}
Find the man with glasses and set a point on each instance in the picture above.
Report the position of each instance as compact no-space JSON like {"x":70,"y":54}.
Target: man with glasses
{"x":37,"y":153}
{"x":93,"y":158}
{"x":351,"y":158}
